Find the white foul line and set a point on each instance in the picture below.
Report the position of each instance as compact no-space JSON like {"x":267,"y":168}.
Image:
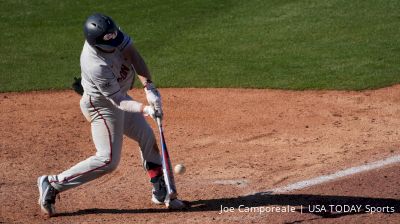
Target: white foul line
{"x":337,"y":175}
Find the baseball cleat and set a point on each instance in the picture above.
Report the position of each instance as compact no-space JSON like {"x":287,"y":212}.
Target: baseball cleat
{"x":47,"y":196}
{"x":159,"y":195}
{"x":156,"y":201}
{"x":159,"y":190}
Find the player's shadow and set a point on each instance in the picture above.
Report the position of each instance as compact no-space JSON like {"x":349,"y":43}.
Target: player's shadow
{"x":302,"y":202}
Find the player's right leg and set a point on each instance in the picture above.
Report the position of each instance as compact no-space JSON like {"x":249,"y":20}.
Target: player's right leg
{"x":107,"y":133}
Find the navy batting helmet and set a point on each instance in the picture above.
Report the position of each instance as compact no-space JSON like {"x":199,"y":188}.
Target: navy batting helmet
{"x":102,"y":32}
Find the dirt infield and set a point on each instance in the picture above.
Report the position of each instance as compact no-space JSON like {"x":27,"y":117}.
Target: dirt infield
{"x":232,"y":141}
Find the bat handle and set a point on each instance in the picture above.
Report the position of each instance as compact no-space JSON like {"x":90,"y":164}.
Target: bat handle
{"x":158,"y":120}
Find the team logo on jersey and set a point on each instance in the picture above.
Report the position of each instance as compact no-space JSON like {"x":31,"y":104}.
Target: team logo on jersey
{"x":110,"y":36}
{"x":123,"y":73}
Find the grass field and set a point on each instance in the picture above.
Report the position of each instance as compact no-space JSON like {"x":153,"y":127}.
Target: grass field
{"x":308,"y":44}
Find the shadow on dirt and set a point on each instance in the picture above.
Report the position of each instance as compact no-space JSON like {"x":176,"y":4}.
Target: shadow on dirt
{"x":304,"y":203}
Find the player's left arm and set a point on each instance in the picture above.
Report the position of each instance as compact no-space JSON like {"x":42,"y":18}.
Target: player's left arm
{"x":137,"y":61}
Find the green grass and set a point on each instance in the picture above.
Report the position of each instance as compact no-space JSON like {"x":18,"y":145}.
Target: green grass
{"x":288,"y":44}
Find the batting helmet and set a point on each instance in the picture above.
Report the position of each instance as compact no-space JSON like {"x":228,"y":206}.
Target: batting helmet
{"x":102,"y":32}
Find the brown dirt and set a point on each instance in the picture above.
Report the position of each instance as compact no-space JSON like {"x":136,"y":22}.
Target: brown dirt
{"x":232,"y":141}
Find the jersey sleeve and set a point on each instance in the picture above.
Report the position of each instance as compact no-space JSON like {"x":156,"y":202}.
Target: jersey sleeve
{"x":105,"y":80}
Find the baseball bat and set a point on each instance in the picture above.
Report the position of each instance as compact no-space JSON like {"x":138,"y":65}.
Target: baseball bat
{"x":166,"y":165}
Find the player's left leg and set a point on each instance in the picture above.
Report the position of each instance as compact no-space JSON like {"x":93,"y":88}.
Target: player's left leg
{"x":137,"y":128}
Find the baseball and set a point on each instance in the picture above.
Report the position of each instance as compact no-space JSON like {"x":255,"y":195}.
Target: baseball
{"x":179,"y":169}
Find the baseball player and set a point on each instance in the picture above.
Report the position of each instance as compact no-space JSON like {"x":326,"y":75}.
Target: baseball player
{"x":109,"y":62}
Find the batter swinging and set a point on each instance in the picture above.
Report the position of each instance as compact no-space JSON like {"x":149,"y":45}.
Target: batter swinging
{"x":109,"y":62}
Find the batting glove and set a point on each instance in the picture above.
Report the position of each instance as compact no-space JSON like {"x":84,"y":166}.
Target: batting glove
{"x":153,"y":97}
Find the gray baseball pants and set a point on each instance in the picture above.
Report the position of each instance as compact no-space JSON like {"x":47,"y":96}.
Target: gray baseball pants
{"x":108,"y":125}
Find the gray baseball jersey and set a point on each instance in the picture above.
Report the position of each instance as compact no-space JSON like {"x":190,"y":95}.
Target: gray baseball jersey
{"x":106,"y":73}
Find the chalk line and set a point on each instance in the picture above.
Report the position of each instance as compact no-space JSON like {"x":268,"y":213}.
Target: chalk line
{"x":327,"y":178}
